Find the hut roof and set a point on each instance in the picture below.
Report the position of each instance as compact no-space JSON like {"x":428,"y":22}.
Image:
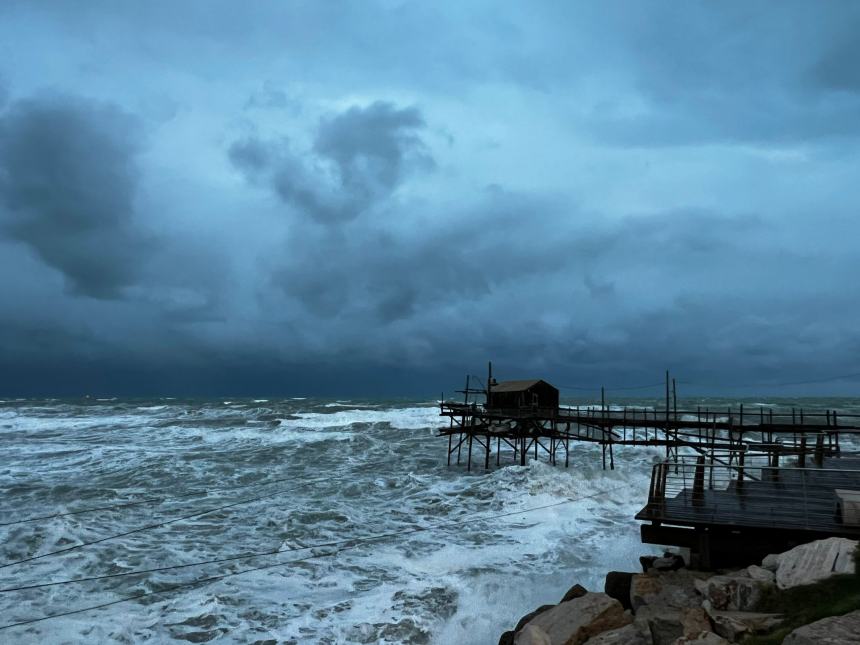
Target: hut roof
{"x":516,"y":386}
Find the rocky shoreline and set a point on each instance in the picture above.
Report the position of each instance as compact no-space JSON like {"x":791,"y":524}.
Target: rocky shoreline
{"x":672,"y":604}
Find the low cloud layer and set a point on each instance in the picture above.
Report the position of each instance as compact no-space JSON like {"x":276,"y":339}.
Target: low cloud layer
{"x":360,"y":199}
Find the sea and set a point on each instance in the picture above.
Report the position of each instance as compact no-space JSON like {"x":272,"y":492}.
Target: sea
{"x":294,"y":520}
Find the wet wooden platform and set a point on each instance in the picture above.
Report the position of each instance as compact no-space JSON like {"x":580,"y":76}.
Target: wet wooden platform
{"x":725,"y":511}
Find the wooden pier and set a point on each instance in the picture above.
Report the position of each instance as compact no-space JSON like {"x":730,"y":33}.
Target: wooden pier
{"x":547,"y":429}
{"x":737,"y":483}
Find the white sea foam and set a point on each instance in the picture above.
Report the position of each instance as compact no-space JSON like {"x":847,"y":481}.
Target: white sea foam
{"x":352,"y":472}
{"x":404,"y":418}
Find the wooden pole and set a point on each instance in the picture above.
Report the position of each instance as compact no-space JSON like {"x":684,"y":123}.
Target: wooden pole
{"x":741,"y":454}
{"x":469,"y":465}
{"x":450,"y":438}
{"x":668,"y":448}
{"x":675,"y":414}
{"x":699,"y":481}
{"x":566,"y":451}
{"x":675,"y":399}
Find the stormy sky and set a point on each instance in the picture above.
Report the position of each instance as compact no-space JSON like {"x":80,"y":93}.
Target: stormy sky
{"x":378,"y":197}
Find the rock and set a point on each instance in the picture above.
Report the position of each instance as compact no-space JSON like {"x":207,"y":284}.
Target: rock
{"x":694,"y":622}
{"x":532,"y":635}
{"x":836,"y":630}
{"x":576,"y":591}
{"x":644,"y":589}
{"x":669,"y":589}
{"x":759,"y":573}
{"x":617,"y":585}
{"x":627,"y":635}
{"x":733,"y":625}
{"x":575,"y":621}
{"x":669,"y":562}
{"x":507,"y":638}
{"x":665,"y":624}
{"x":770,"y":562}
{"x":703,"y":638}
{"x":647,"y":562}
{"x":815,"y":561}
{"x":528,"y":617}
{"x":737,"y":592}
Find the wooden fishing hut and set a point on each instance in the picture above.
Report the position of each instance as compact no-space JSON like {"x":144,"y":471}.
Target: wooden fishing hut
{"x":534,"y":396}
{"x":518,"y":414}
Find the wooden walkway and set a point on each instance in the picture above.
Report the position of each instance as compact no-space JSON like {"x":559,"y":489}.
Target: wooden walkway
{"x":737,"y":483}
{"x":787,"y":498}
{"x":549,"y":432}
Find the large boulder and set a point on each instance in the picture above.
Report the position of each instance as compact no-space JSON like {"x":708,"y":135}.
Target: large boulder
{"x":627,"y":635}
{"x":574,"y":621}
{"x":668,"y":589}
{"x":668,"y":562}
{"x":617,"y":585}
{"x":576,"y":591}
{"x":702,"y":638}
{"x":507,"y":638}
{"x":836,"y":630}
{"x":525,"y":620}
{"x":771,"y":562}
{"x":695,"y":621}
{"x":734,"y":625}
{"x":664,"y":624}
{"x":735,"y":592}
{"x":667,"y":624}
{"x":812,"y":562}
{"x":647,"y":562}
{"x":532,"y":635}
{"x":760,"y":573}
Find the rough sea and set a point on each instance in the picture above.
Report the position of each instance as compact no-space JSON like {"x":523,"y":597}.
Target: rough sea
{"x":378,"y":540}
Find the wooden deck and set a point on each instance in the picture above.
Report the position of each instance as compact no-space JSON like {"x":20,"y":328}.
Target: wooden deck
{"x":754,"y":509}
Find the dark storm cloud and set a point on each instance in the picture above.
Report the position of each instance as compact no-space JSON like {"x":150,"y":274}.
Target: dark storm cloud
{"x":68,"y":177}
{"x":616,"y":301}
{"x":379,"y":275}
{"x":359,"y":157}
{"x":617,"y":188}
